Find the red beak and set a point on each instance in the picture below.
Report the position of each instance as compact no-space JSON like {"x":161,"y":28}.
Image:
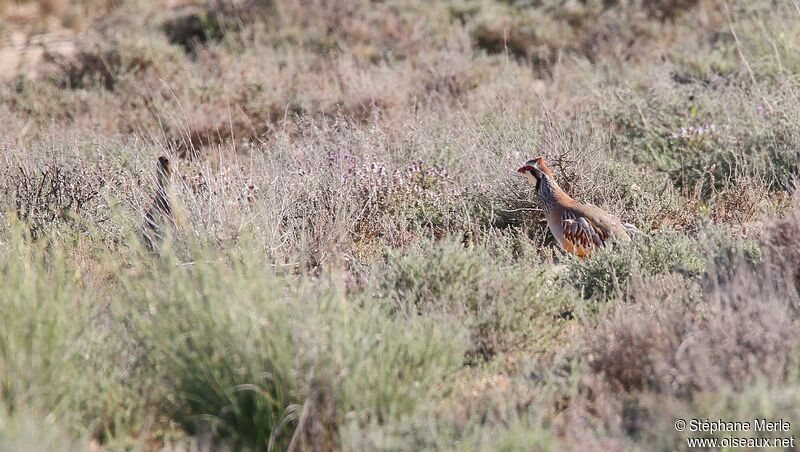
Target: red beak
{"x":525,"y":169}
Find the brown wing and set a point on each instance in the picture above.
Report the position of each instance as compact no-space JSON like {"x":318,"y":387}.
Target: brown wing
{"x":585,"y":231}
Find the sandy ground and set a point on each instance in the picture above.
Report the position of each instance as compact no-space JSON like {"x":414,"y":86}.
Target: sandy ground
{"x":29,"y":38}
{"x":23,"y":54}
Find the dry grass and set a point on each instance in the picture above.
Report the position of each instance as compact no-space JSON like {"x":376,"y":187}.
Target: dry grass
{"x":351,"y":262}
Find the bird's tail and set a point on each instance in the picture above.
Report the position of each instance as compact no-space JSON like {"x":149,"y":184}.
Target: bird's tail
{"x":631,"y":228}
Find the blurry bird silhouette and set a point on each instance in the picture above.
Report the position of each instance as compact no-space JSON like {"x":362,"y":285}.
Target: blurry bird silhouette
{"x":160,"y":212}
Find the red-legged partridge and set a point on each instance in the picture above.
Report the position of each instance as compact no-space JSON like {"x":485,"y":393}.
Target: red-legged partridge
{"x":578,"y":228}
{"x":160,"y":209}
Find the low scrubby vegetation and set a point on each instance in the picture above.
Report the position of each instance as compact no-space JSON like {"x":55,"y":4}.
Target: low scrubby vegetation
{"x":352,"y":262}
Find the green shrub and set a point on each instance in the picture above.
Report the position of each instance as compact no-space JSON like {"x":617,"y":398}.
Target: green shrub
{"x":44,"y":311}
{"x":761,"y":400}
{"x":52,"y":329}
{"x":508,"y":305}
{"x":379,"y":367}
{"x":246,"y":353}
{"x":609,"y":271}
{"x":27,"y":430}
{"x":218,"y":334}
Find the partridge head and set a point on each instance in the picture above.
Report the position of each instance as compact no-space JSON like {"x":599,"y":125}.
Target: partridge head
{"x":164,"y":171}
